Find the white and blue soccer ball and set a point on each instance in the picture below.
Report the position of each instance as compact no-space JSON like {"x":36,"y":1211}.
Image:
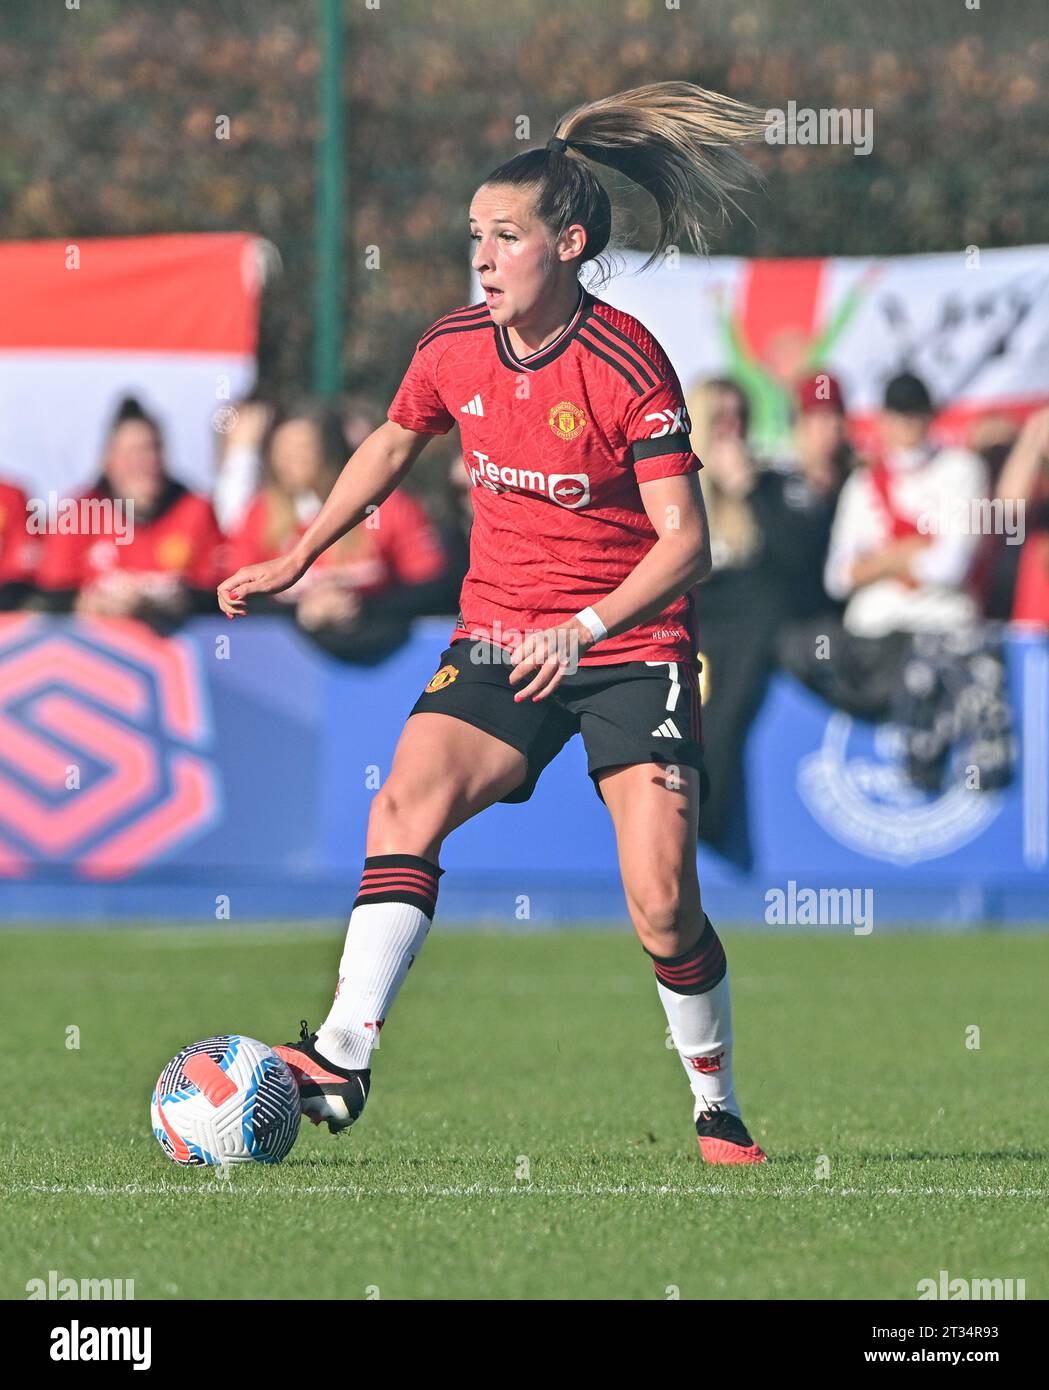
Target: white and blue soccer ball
{"x":229,"y":1099}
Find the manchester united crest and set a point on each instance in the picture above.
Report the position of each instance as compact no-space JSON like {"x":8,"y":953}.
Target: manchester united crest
{"x":567,"y":420}
{"x":441,"y":678}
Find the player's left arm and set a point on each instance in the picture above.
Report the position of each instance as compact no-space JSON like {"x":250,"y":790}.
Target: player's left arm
{"x":655,"y":429}
{"x":679,"y":559}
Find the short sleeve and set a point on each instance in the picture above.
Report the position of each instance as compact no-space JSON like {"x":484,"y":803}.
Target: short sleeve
{"x":418,"y":405}
{"x":657,"y":427}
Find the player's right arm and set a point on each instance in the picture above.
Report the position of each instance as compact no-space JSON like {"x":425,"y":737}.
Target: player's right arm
{"x":372,"y":473}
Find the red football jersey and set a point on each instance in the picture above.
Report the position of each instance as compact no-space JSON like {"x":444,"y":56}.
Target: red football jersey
{"x":183,"y":539}
{"x":396,"y":545}
{"x":19,"y":551}
{"x":555,"y":445}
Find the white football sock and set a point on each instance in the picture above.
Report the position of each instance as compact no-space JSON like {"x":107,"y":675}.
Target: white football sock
{"x":701,"y":1027}
{"x":694,"y":990}
{"x":388,"y":925}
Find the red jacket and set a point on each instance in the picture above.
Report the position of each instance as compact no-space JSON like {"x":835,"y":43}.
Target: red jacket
{"x":397,"y":545}
{"x":182,"y":539}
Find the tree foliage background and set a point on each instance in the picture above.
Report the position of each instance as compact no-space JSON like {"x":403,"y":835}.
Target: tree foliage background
{"x":108,"y":111}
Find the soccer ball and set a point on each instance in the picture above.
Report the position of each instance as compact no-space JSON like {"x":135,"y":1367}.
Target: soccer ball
{"x":226,"y":1100}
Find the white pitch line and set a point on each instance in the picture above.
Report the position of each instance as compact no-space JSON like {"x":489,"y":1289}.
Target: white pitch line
{"x":519,"y":1190}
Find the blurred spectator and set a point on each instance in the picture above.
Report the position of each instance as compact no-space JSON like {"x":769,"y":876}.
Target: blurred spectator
{"x":240,"y":466}
{"x":360,"y":595}
{"x":237,"y":479}
{"x":137,"y":544}
{"x":911,"y":646}
{"x":735,"y":609}
{"x":894,"y":554}
{"x":995,"y":569}
{"x":455,"y":516}
{"x":19,"y":552}
{"x":823,"y":459}
{"x":798,"y":524}
{"x":360,"y":416}
{"x":1025,"y":482}
{"x":768,"y":534}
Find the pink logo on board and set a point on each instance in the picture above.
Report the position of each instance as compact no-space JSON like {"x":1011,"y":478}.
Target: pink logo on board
{"x":103,"y":727}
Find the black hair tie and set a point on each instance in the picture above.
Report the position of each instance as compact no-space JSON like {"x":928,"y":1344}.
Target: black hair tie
{"x":556,"y":144}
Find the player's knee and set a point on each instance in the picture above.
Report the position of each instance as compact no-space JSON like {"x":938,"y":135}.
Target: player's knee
{"x":655,"y":907}
{"x":400,"y":824}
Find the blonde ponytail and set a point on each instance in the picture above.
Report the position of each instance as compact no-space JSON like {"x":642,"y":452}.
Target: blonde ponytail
{"x":677,"y":141}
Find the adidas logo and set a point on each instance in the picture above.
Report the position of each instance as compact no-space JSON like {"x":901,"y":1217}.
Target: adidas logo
{"x":668,"y":729}
{"x":473,"y":407}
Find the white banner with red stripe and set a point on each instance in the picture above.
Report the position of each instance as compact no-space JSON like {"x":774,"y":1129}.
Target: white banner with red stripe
{"x":973,"y":324}
{"x":172,"y":320}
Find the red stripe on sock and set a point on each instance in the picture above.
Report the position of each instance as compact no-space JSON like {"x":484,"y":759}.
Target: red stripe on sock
{"x":416,"y":892}
{"x":692,"y":978}
{"x":417,"y":874}
{"x":706,"y":962}
{"x":398,"y":875}
{"x":703,"y":966}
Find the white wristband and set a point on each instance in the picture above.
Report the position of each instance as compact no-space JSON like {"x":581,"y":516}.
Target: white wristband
{"x":590,"y":620}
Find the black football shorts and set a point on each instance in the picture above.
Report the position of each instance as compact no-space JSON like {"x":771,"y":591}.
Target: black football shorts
{"x":628,"y":712}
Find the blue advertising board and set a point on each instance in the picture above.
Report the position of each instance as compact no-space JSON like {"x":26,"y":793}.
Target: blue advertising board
{"x":227,"y":773}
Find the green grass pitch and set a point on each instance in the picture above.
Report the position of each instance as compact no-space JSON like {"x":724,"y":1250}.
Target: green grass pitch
{"x":528,"y":1134}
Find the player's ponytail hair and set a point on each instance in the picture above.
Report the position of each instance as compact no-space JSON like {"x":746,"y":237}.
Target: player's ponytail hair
{"x":674,"y":139}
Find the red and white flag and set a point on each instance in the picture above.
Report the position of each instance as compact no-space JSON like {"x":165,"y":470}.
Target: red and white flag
{"x":172,"y":320}
{"x":974,"y":324}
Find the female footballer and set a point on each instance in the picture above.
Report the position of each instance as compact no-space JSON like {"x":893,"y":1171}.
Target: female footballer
{"x":589,"y":531}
